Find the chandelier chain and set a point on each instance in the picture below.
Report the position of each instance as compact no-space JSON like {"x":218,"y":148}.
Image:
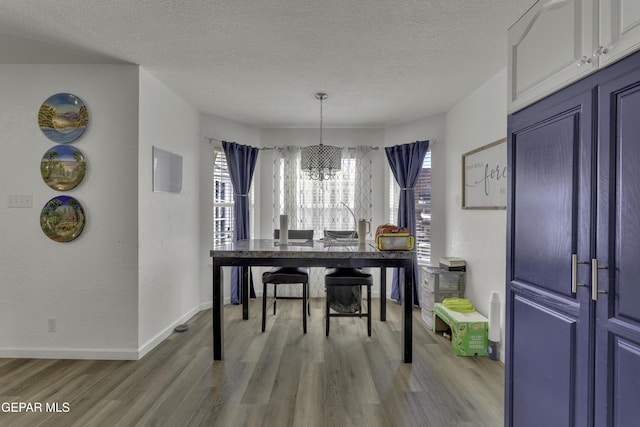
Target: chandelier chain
{"x":321,"y":119}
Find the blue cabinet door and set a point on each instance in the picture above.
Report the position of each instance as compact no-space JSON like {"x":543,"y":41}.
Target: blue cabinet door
{"x":617,"y":297}
{"x":573,"y":255}
{"x":549,"y":318}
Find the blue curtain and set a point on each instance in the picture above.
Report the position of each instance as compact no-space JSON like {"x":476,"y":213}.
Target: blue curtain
{"x":406,"y":163}
{"x":241,"y":161}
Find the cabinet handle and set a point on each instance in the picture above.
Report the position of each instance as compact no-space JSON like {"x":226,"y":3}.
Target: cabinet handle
{"x":574,"y":273}
{"x":594,"y":279}
{"x":601,"y":50}
{"x":584,"y":61}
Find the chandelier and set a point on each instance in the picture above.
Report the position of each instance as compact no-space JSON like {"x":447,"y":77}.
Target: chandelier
{"x":320,"y":162}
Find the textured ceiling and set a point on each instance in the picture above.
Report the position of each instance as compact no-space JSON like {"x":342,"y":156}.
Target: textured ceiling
{"x":382,"y":62}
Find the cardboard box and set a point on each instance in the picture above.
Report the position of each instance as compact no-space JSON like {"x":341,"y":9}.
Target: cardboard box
{"x":469,"y":331}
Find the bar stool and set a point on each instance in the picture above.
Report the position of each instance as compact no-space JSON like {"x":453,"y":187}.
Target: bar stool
{"x":287,"y":275}
{"x":348,"y":282}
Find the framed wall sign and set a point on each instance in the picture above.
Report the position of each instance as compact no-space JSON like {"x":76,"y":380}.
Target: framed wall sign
{"x":484,"y":177}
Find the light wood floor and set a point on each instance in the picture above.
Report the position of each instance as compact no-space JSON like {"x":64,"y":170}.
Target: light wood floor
{"x":279,"y":378}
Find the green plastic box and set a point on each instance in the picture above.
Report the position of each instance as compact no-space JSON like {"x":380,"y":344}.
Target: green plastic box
{"x":469,"y":331}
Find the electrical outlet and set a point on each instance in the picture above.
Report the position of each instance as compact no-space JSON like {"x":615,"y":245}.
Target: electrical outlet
{"x":53,"y":324}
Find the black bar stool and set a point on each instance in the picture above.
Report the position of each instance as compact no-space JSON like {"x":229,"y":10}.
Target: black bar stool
{"x":345,"y":285}
{"x":287,"y":275}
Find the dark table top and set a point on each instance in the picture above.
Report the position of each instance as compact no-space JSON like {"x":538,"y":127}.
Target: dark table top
{"x":269,"y":248}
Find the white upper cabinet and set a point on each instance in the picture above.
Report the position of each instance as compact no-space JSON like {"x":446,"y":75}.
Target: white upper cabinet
{"x":551,"y":45}
{"x":557,"y":42}
{"x":619,"y":29}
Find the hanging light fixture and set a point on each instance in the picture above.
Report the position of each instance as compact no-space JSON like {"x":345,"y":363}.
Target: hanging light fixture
{"x":321,"y":161}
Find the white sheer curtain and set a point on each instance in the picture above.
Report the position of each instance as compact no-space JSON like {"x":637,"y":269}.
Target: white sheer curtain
{"x":318,"y":205}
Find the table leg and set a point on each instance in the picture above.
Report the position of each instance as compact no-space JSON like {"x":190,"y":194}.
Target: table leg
{"x":218,"y":313}
{"x":383,"y":294}
{"x":245,"y":292}
{"x":407,"y":309}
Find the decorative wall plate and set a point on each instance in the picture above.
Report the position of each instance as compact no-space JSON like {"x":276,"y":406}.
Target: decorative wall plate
{"x":62,"y":219}
{"x":63,"y":167}
{"x":63,"y":117}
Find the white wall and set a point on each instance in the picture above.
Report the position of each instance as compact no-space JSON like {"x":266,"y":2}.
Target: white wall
{"x":169,"y":237}
{"x":120,"y":288}
{"x":90,"y":284}
{"x":478,"y":236}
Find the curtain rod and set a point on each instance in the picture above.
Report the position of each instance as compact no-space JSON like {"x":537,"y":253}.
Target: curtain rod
{"x":273,"y":148}
{"x":431,"y":141}
{"x":348,"y":148}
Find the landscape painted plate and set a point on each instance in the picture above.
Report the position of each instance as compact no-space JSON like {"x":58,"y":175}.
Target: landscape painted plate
{"x":63,"y":118}
{"x":62,"y":219}
{"x":63,"y":167}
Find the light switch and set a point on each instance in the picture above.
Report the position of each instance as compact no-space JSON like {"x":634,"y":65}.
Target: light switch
{"x":20,"y":201}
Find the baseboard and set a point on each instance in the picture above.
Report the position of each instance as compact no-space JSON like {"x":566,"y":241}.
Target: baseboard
{"x":108,"y":354}
{"x":101,"y":354}
{"x":79,"y":354}
{"x":168,"y":330}
{"x":207,"y":305}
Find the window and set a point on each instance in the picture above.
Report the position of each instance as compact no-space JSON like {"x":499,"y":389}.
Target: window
{"x":223,"y":208}
{"x":320,"y":204}
{"x":423,"y":209}
{"x":323,"y":205}
{"x":222,"y":201}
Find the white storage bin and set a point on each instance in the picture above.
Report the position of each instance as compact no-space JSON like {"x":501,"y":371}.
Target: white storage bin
{"x":427,"y":318}
{"x":448,"y":281}
{"x":428,"y":297}
{"x":440,"y":280}
{"x":450,"y":284}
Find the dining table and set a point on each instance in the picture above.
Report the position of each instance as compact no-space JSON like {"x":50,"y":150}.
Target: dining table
{"x":339,"y":253}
